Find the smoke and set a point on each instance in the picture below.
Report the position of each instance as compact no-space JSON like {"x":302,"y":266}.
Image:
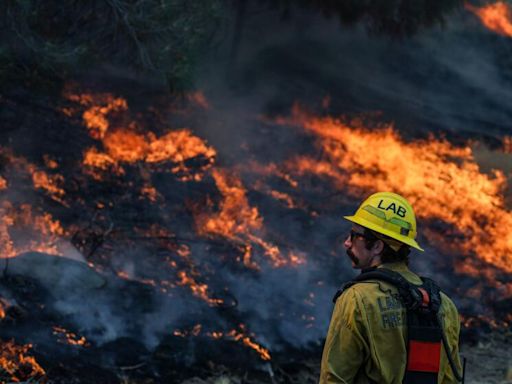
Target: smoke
{"x":450,"y":79}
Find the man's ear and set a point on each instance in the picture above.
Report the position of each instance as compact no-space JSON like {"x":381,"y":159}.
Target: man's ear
{"x":378,"y":247}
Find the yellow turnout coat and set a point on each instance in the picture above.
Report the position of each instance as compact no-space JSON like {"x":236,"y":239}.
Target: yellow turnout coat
{"x":366,"y":341}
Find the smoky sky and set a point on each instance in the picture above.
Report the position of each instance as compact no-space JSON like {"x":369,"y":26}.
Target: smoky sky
{"x":453,"y":78}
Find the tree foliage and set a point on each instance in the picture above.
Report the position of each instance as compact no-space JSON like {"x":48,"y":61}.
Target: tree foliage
{"x":51,"y":39}
{"x":393,"y":17}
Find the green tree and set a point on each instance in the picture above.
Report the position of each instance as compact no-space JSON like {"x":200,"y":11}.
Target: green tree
{"x":394,"y":17}
{"x":49,"y":39}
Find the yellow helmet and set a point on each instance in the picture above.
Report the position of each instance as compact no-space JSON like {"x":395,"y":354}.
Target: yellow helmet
{"x":388,"y":214}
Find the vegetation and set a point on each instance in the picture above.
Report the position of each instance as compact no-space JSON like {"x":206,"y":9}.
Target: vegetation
{"x":43,"y":39}
{"x":49,"y":40}
{"x":397,"y":18}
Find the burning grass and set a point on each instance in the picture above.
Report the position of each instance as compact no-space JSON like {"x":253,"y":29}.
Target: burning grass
{"x":239,"y":335}
{"x":17,"y":366}
{"x":22,"y":230}
{"x":129,"y":200}
{"x":442,"y":181}
{"x":240,"y":222}
{"x":67,"y":337}
{"x":123,"y":141}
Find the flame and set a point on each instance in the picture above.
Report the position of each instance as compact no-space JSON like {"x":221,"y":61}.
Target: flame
{"x":123,"y":144}
{"x":284,"y":197}
{"x":99,"y":106}
{"x":130,"y":276}
{"x":198,"y":290}
{"x":67,"y":337}
{"x":442,"y":181}
{"x":176,"y":147}
{"x":507,"y":144}
{"x":497,"y":17}
{"x":238,"y":221}
{"x":184,"y":251}
{"x":19,"y":366}
{"x":271,"y":169}
{"x":150,"y":193}
{"x":21,"y":230}
{"x":96,"y":162}
{"x":4,"y":306}
{"x":238,"y":335}
{"x":50,"y":183}
{"x":50,"y":163}
{"x":478,"y":321}
{"x":195,"y":331}
{"x":246,"y":340}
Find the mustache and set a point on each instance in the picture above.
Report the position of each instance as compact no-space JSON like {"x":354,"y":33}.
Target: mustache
{"x":352,"y":257}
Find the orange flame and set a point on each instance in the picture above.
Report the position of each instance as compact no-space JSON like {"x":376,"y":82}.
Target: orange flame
{"x":497,"y":17}
{"x":150,"y":193}
{"x":19,"y":366}
{"x":198,"y":290}
{"x":99,"y":107}
{"x":68,"y":337}
{"x":51,"y":184}
{"x":4,"y":306}
{"x":475,"y":321}
{"x":37,"y":232}
{"x":507,"y":144}
{"x":246,"y":340}
{"x":125,"y":145}
{"x":236,"y":220}
{"x":236,"y":335}
{"x":442,"y":181}
{"x":175,"y":147}
{"x":50,"y":163}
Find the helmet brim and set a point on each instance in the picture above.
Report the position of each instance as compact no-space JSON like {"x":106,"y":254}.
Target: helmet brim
{"x":374,"y":227}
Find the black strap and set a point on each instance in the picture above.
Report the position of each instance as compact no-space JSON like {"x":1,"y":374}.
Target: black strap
{"x":410,"y":294}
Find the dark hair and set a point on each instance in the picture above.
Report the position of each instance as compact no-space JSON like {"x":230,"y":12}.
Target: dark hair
{"x":388,"y":255}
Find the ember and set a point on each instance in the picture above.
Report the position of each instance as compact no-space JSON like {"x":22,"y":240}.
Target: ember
{"x":65,"y":336}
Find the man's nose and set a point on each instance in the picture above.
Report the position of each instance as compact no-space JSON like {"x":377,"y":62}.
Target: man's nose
{"x":348,"y":242}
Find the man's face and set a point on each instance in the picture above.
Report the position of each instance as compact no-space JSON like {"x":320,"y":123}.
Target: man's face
{"x":355,"y":246}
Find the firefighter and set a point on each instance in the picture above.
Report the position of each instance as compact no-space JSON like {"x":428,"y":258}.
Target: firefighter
{"x":368,"y":339}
